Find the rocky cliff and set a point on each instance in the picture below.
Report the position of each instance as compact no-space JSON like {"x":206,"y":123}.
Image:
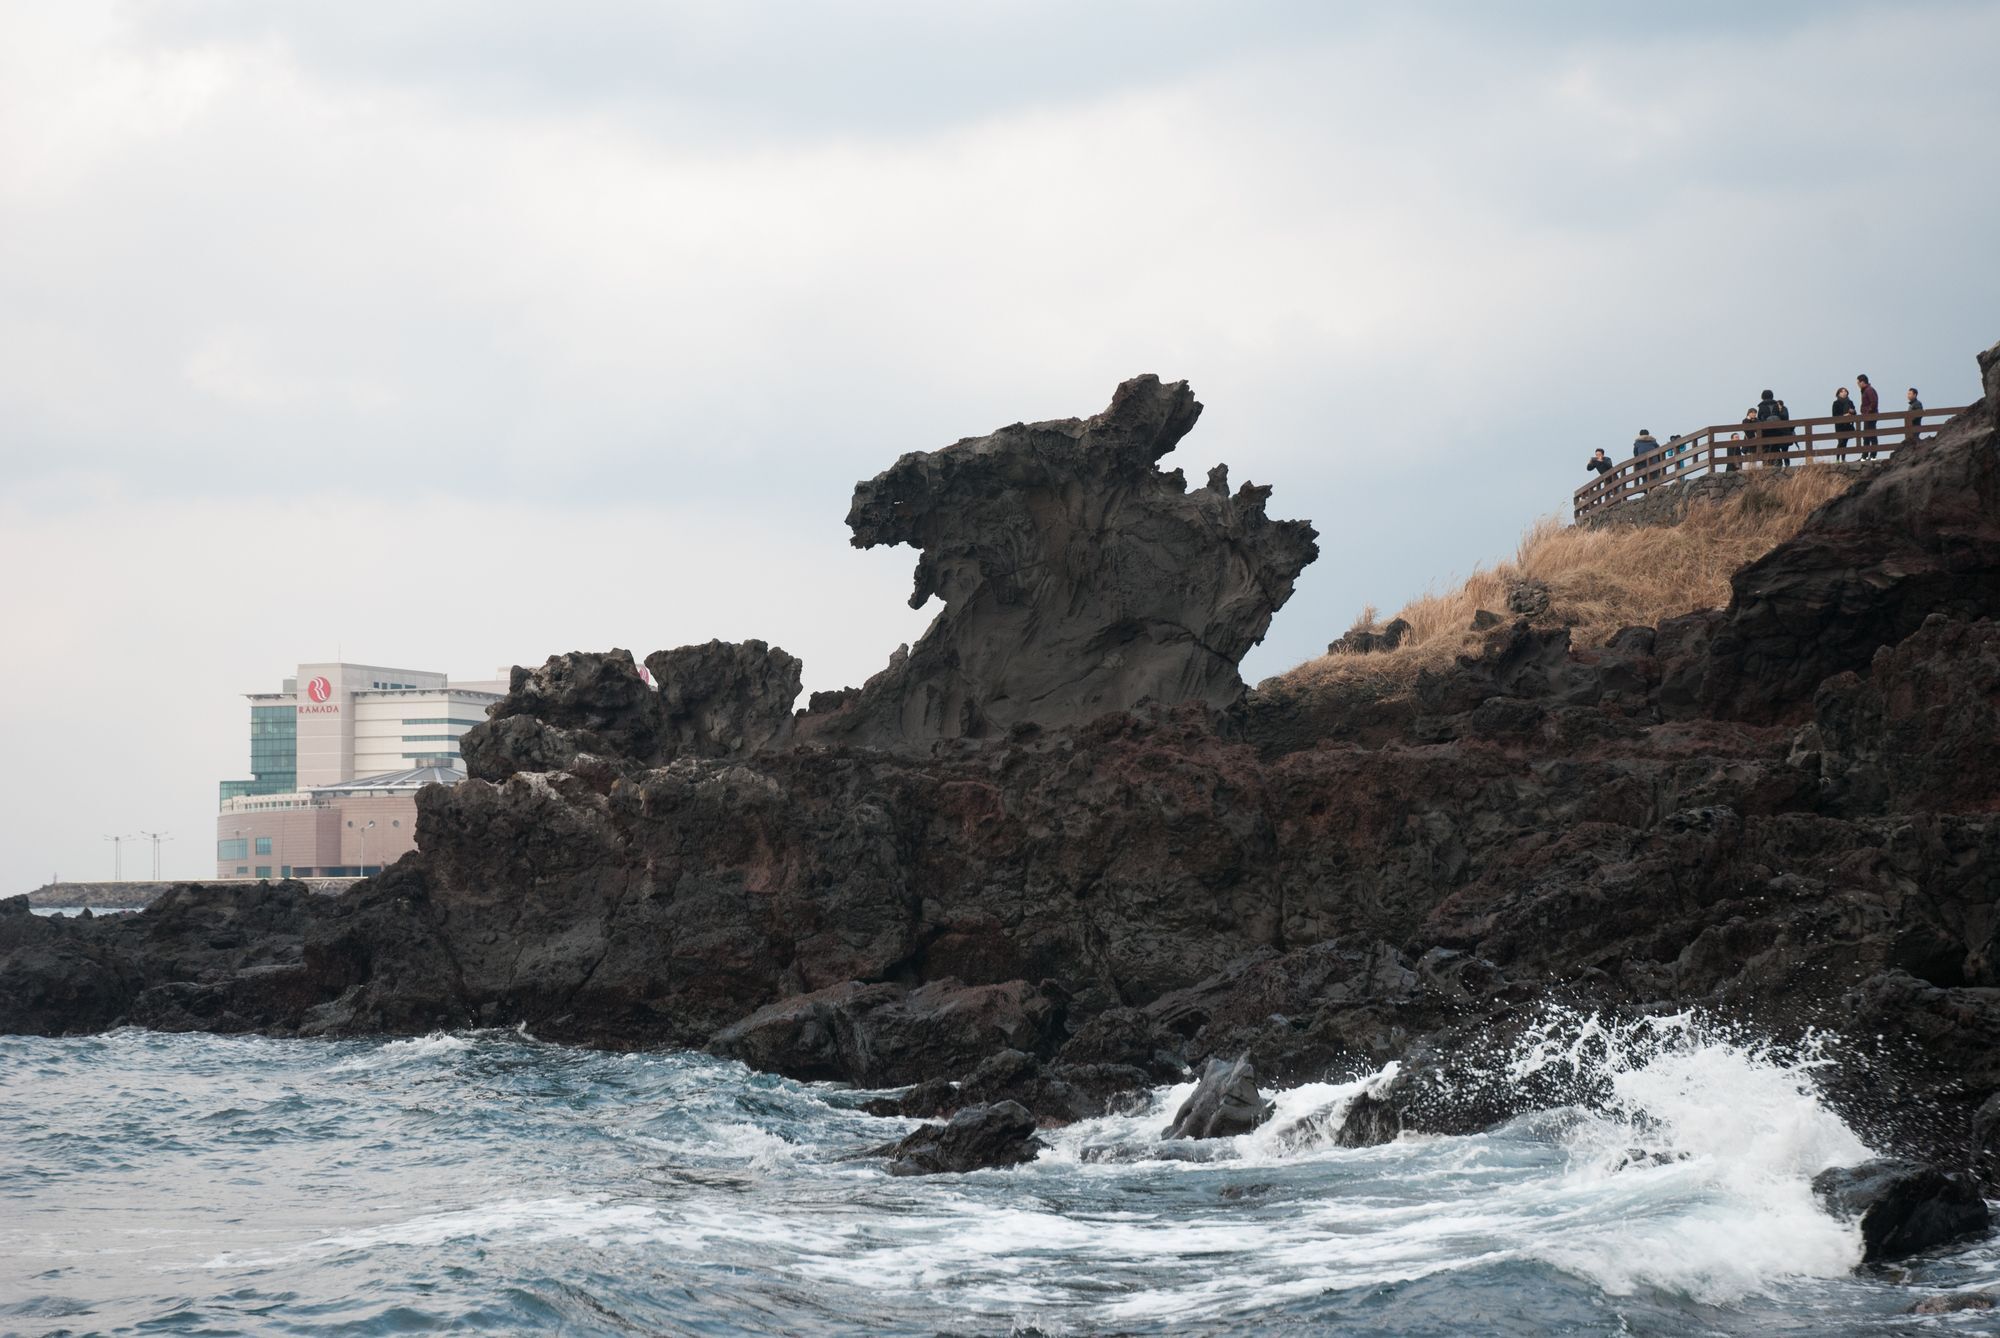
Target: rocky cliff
{"x":1076,"y":577}
{"x":1786,"y":811}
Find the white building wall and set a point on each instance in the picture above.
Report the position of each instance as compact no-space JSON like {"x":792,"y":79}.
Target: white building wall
{"x":395,"y":731}
{"x":326,"y":727}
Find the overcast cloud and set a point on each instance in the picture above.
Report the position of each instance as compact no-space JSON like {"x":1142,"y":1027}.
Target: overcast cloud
{"x":453,"y":334}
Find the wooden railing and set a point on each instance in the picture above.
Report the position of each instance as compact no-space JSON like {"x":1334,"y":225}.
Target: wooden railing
{"x":1727,"y":447}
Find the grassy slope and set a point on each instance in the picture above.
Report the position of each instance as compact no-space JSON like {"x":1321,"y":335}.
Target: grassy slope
{"x":1599,"y":579}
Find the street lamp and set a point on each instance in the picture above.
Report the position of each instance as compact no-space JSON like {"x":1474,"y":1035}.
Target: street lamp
{"x":364,"y":846}
{"x":156,"y":838}
{"x":117,"y":857}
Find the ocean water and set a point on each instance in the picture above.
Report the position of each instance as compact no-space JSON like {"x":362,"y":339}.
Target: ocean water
{"x":488,"y":1182}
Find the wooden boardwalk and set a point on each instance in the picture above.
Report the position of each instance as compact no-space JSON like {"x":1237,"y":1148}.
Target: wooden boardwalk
{"x":1727,"y":447}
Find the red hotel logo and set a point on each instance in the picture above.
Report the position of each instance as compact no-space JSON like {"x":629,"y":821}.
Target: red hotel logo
{"x":319,"y":690}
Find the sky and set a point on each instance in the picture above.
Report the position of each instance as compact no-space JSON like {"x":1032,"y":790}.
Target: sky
{"x":451,"y":334}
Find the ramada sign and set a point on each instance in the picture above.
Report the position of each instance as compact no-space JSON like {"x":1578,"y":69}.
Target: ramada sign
{"x":319,"y":690}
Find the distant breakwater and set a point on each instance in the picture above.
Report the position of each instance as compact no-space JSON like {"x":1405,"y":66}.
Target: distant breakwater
{"x":124,"y":895}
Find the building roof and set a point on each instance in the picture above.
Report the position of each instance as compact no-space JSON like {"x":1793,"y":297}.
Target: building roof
{"x":412,"y":780}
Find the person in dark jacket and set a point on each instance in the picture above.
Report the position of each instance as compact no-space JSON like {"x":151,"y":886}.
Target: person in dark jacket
{"x":1843,"y":409}
{"x":1771,"y":415}
{"x":1740,"y":447}
{"x":1871,"y":404}
{"x":1917,"y":408}
{"x":1645,"y":444}
{"x":1600,"y":463}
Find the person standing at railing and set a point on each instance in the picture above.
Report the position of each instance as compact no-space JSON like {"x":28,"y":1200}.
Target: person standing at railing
{"x":1871,"y":404}
{"x":1770,"y":413}
{"x":1786,"y":436}
{"x":1600,"y":463}
{"x":1645,"y":444}
{"x":1917,"y":408}
{"x":1739,"y":445}
{"x":1843,"y":409}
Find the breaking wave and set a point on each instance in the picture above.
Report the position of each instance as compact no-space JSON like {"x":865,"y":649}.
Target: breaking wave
{"x":491,"y":1182}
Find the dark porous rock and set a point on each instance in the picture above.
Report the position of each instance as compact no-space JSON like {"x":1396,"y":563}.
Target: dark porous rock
{"x":1056,"y":1094}
{"x":1920,"y":537}
{"x":1369,"y":1122}
{"x":582,"y":702}
{"x":1528,"y":598}
{"x":1225,"y":1102}
{"x":1338,"y":1005}
{"x":1064,"y":909}
{"x":1485,"y":620}
{"x":1985,"y":1149}
{"x":1126,"y":1038}
{"x":1902,"y":1207}
{"x":976,"y":1138}
{"x":1363,"y":641}
{"x":1919,"y":730}
{"x":1952,"y":1304}
{"x":725,"y":699}
{"x":1046,"y":542}
{"x":1525,"y":663}
{"x":882,"y":1035}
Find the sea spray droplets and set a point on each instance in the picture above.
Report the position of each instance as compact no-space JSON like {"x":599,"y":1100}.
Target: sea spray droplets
{"x":513,"y":1186}
{"x":1714,"y":1136}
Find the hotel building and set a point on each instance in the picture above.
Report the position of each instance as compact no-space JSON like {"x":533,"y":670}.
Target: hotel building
{"x":337,"y":756}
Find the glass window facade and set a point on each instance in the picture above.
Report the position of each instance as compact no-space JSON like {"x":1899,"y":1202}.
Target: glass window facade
{"x":263,"y":871}
{"x":442,"y":720}
{"x":229,"y":850}
{"x":274,"y":754}
{"x":274,"y":746}
{"x":263,"y":845}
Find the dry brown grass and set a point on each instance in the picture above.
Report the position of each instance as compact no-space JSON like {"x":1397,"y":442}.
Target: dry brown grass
{"x":1599,"y":580}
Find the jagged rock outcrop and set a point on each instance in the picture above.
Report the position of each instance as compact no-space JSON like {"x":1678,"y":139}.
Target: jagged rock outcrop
{"x":976,"y":1139}
{"x":1055,"y":1093}
{"x":725,"y":699}
{"x":1055,"y":916}
{"x":884,"y":1036}
{"x":1919,"y":537}
{"x":1076,"y":577}
{"x":716,"y":700}
{"x":1369,"y":1121}
{"x":585,"y":702}
{"x":1363,"y":641}
{"x":1903,"y":1208}
{"x":1225,"y":1102}
{"x":1921,"y":730}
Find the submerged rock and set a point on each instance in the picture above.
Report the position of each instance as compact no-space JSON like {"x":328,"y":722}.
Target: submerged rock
{"x":1225,"y":1102}
{"x":977,"y":1138}
{"x":1952,"y":1304}
{"x":1902,"y":1207}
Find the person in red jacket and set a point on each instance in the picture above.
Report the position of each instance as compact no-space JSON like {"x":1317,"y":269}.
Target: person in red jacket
{"x":1871,"y":404}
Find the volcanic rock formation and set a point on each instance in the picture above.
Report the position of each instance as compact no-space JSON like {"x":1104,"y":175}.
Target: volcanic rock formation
{"x":1785,"y":812}
{"x":1077,"y":578}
